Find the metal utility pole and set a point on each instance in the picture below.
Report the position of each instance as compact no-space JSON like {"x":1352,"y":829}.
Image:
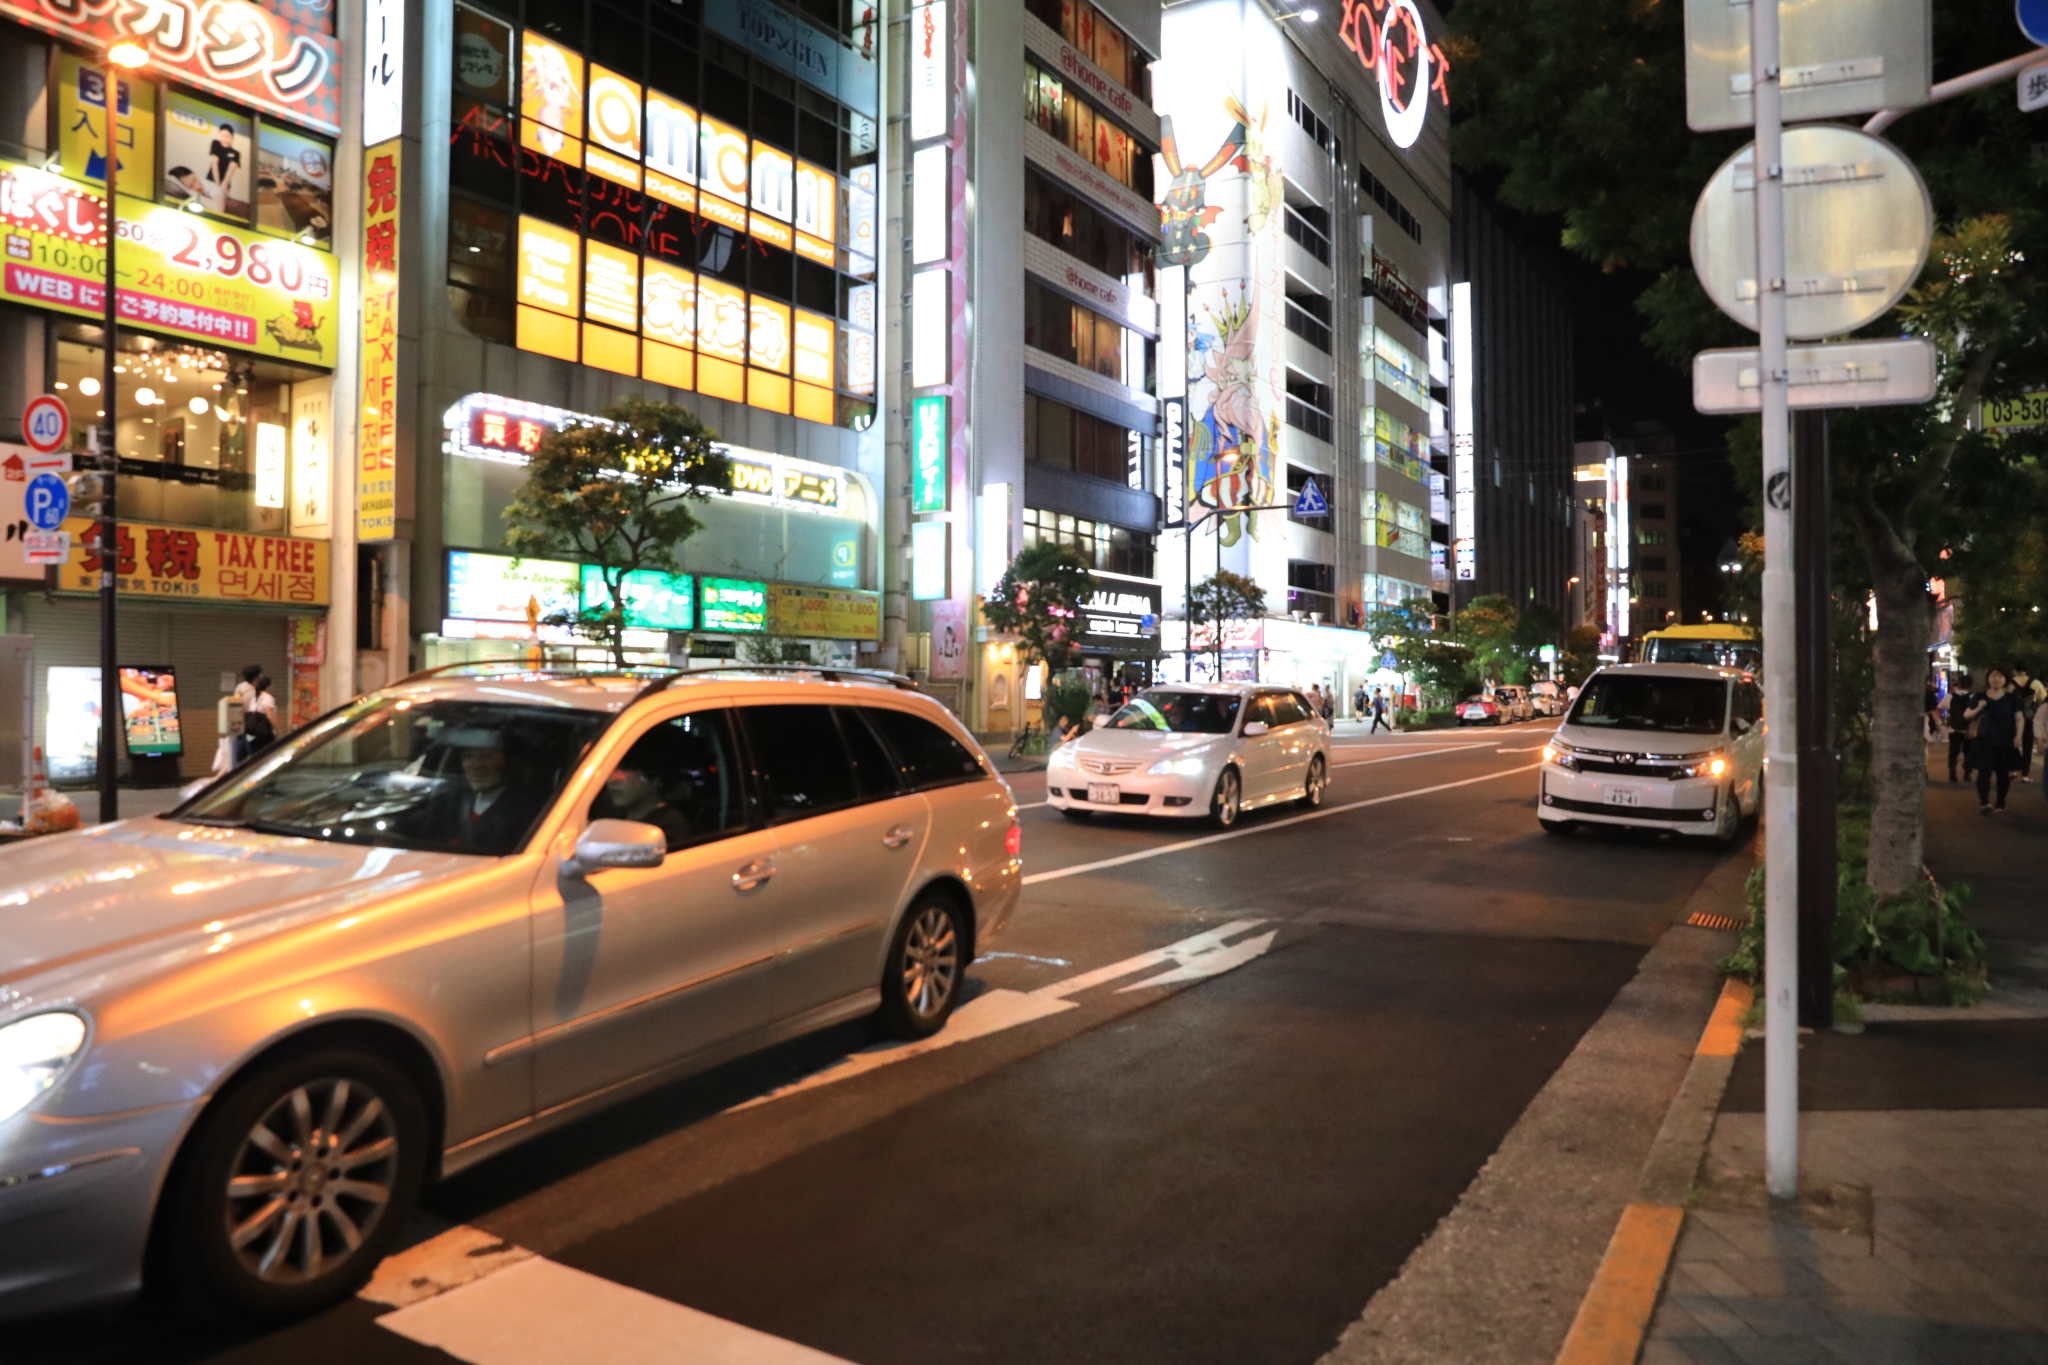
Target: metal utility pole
{"x":1781,"y":646}
{"x":109,"y":531}
{"x":1817,"y":855}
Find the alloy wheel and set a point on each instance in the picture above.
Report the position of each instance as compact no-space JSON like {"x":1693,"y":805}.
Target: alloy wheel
{"x":931,"y":962}
{"x":1229,"y":798}
{"x":312,"y":1179}
{"x":1312,"y":788}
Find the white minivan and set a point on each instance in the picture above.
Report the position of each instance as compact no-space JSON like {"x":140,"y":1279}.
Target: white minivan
{"x":1658,"y":746}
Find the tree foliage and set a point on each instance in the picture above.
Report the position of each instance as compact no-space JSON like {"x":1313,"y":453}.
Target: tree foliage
{"x":1489,"y":626}
{"x":1039,"y":598}
{"x":1219,"y":599}
{"x":1441,"y":666}
{"x":616,"y":493}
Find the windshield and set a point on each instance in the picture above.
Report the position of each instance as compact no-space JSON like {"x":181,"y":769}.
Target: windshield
{"x":454,"y":776}
{"x":1715,"y":652}
{"x":1634,"y":701}
{"x":1188,"y":713}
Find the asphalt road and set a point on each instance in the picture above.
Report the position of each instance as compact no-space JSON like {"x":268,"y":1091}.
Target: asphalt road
{"x":1212,"y":1153}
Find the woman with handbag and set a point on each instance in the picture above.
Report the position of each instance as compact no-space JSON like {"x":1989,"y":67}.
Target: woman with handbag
{"x":1995,"y":748}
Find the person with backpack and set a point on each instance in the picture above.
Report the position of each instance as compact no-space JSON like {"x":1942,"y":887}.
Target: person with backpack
{"x":259,"y":721}
{"x":1379,"y":713}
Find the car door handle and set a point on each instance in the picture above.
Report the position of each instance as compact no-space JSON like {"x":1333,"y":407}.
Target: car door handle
{"x":898,"y":837}
{"x":753,"y":874}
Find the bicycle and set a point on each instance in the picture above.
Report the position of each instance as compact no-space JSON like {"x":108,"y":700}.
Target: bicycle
{"x":1023,"y":740}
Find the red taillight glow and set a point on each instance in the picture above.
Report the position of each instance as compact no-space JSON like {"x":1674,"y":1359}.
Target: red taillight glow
{"x":1013,"y":842}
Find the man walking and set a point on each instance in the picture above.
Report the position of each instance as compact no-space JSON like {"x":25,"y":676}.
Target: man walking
{"x":1379,"y":714}
{"x":2029,"y":692}
{"x":1959,"y":702}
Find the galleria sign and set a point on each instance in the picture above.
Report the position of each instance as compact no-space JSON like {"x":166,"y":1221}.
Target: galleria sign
{"x":1389,"y":39}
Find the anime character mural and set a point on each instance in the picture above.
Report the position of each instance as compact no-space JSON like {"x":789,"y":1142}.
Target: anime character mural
{"x":1186,"y":210}
{"x":1231,"y":447}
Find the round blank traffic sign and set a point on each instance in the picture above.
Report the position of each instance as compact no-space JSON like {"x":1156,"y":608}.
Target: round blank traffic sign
{"x":1858,"y":224}
{"x":46,"y":423}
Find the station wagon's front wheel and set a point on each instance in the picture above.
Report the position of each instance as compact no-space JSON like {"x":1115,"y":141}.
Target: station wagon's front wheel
{"x":926,"y":965}
{"x":295,"y":1184}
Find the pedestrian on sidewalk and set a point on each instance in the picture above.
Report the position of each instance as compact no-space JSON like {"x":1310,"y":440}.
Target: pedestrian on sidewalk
{"x":259,"y":723}
{"x":1996,"y":748}
{"x":1930,"y":709}
{"x":2029,"y":691}
{"x":1328,"y":708}
{"x":1960,"y":700}
{"x":1379,"y":714}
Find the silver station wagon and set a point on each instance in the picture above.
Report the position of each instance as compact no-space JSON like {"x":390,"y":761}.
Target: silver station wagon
{"x":236,"y":1040}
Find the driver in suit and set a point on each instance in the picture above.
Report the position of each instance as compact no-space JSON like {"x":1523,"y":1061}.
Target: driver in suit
{"x":488,"y":811}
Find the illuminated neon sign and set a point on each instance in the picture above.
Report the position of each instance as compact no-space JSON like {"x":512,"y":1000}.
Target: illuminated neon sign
{"x":1388,"y":37}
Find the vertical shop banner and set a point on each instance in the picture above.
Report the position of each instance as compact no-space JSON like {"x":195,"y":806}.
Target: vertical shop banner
{"x":377,"y":450}
{"x":306,"y":645}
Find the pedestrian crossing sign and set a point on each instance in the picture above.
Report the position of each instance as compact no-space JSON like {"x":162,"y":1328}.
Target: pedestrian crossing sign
{"x":1309,"y":502}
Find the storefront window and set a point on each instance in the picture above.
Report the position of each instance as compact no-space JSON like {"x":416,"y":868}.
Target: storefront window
{"x":1053,"y":213}
{"x":1057,"y":325}
{"x":1056,"y":110}
{"x":1112,"y":549}
{"x":201,"y":433}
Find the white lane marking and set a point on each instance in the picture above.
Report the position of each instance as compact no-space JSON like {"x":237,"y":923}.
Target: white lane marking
{"x":1205,"y":965}
{"x":1420,"y":753}
{"x":439,"y":1264}
{"x":1177,"y":953}
{"x":995,"y":1010}
{"x":1029,"y":805}
{"x":538,"y":1312}
{"x":990,"y":1012}
{"x":1026,"y":957}
{"x":1185,"y":844}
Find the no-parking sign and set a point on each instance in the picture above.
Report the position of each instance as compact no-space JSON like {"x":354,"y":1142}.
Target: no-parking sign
{"x":46,"y":423}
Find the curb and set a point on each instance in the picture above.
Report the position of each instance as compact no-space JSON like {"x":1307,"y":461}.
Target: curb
{"x":1614,"y":1316}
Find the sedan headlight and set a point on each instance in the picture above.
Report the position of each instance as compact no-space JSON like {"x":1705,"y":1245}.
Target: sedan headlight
{"x":1177,"y":767}
{"x":1063,"y":757}
{"x":33,"y":1054}
{"x":1704,"y":765}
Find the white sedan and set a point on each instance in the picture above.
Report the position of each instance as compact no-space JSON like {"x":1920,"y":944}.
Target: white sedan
{"x":1195,"y":751}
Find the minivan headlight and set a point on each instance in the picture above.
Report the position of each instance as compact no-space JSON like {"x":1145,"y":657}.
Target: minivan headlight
{"x":1704,"y":765}
{"x":33,"y":1054}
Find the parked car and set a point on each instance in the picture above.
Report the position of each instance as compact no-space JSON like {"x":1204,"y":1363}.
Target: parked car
{"x":1514,"y":699}
{"x":443,"y":920}
{"x":1481,"y":708}
{"x":1193,"y":751}
{"x":1547,"y":698}
{"x":1657,"y":746}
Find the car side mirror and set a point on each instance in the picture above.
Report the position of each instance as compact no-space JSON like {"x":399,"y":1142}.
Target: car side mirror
{"x":616,"y":843}
{"x":1254,"y":728}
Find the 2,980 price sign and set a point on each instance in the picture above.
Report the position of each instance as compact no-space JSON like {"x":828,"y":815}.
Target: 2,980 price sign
{"x":180,"y":272}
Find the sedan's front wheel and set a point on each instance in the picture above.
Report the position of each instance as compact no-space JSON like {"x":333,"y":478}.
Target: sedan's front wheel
{"x":294,"y":1185}
{"x":921,"y":979}
{"x":1228,"y":801}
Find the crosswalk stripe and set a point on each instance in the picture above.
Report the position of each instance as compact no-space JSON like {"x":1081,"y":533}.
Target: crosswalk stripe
{"x":539,"y":1312}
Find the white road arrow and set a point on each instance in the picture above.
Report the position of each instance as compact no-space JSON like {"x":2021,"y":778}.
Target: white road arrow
{"x":1215,"y":962}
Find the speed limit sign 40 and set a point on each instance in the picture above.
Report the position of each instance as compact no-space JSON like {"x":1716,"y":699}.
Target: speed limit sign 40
{"x":46,"y":423}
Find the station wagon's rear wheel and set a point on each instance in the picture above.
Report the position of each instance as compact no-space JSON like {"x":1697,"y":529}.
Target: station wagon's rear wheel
{"x":295,"y":1184}
{"x":1228,"y":801}
{"x":922,"y":976}
{"x":1313,"y":786}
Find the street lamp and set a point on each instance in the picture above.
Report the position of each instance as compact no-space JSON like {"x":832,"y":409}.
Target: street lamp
{"x":120,"y":57}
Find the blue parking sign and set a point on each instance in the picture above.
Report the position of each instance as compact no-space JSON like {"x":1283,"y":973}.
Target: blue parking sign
{"x":46,"y":502}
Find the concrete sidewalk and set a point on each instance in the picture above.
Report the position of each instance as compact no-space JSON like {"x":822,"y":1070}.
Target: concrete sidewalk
{"x":1921,"y":1234}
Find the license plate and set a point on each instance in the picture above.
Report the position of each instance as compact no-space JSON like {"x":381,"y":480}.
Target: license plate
{"x":1624,"y":796}
{"x":1104,"y":794}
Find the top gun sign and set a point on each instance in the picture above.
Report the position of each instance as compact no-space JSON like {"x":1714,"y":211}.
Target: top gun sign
{"x":279,"y":56}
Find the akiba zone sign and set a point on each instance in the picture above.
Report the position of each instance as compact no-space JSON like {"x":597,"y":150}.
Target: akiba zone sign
{"x":1390,"y":41}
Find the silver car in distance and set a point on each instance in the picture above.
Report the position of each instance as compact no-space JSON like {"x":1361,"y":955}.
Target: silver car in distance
{"x":1194,"y":751}
{"x":236,"y":1040}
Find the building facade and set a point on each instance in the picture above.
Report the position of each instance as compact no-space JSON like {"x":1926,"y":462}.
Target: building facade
{"x":1513,"y":472}
{"x":228,"y":367}
{"x":1627,"y":579}
{"x":1305,"y":279}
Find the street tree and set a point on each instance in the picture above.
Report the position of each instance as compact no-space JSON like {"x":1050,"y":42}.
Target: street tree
{"x":1580,"y":655}
{"x":1489,"y":626}
{"x":1039,"y":599}
{"x":1440,"y":666}
{"x":619,"y":494}
{"x":1218,"y":600}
